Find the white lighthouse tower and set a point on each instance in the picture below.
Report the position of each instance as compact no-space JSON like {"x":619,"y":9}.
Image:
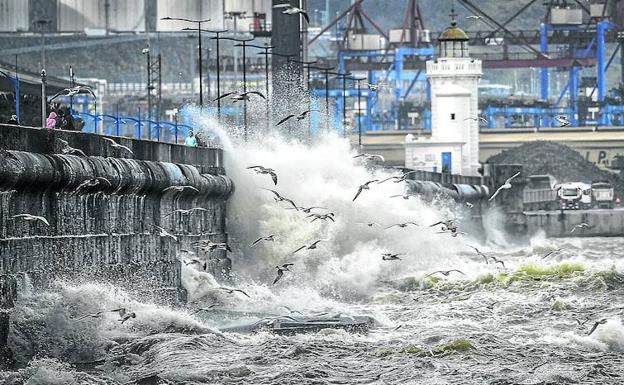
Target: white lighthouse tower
{"x":454,"y":143}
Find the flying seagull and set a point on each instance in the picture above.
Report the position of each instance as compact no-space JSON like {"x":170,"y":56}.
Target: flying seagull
{"x":398,"y":179}
{"x":364,"y":187}
{"x":308,"y":210}
{"x":403,"y":225}
{"x":279,"y":198}
{"x":444,"y":272}
{"x":311,"y":246}
{"x":290,"y":310}
{"x":164,"y":233}
{"x":390,"y":257}
{"x":67,"y":149}
{"x":406,"y":196}
{"x":124,"y":315}
{"x":370,"y":157}
{"x":447,"y":225}
{"x":264,"y":171}
{"x":180,"y":189}
{"x":30,"y":218}
{"x":237,"y":97}
{"x":552,"y":252}
{"x":563,"y":120}
{"x":209,"y":308}
{"x":281,"y":270}
{"x":74,"y":91}
{"x":185,"y":212}
{"x":498,"y":261}
{"x":292,"y":10}
{"x":579,"y":226}
{"x":479,"y":118}
{"x":299,"y":117}
{"x":231,"y":291}
{"x":479,"y":253}
{"x":374,"y":87}
{"x":598,"y":323}
{"x":268,"y":238}
{"x":114,"y":144}
{"x":93,"y":315}
{"x":323,"y":217}
{"x":208,"y":245}
{"x":505,"y":186}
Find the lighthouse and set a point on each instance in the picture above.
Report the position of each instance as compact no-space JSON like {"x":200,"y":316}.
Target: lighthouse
{"x":453,"y":146}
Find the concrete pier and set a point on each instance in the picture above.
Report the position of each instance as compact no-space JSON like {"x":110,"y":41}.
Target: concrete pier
{"x":107,"y":232}
{"x":602,"y":222}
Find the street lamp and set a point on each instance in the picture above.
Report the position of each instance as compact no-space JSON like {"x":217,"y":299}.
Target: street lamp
{"x":326,"y":71}
{"x":266,"y":54}
{"x":359,"y":111}
{"x":146,"y":51}
{"x":243,"y":44}
{"x":43,"y":98}
{"x":199,"y":39}
{"x":306,"y":65}
{"x":344,"y":77}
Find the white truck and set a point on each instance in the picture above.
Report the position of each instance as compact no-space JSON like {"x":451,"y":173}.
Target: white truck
{"x":574,"y":196}
{"x":603,"y":194}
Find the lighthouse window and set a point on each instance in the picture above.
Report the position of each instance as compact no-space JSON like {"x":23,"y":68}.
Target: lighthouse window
{"x":452,"y":116}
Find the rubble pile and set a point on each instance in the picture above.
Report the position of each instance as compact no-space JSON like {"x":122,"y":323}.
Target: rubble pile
{"x":562,"y":162}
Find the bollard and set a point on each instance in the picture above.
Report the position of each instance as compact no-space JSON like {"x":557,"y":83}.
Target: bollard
{"x":8,"y":294}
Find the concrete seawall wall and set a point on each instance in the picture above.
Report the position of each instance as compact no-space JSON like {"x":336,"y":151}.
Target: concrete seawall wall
{"x":607,"y":223}
{"x":107,"y":231}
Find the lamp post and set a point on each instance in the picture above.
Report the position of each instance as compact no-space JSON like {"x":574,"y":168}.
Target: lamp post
{"x":306,"y":66}
{"x":72,"y":84}
{"x":146,"y":51}
{"x":266,"y":54}
{"x":43,"y":98}
{"x":199,"y":60}
{"x":326,"y":71}
{"x":344,"y":77}
{"x":359,"y":111}
{"x":243,"y":44}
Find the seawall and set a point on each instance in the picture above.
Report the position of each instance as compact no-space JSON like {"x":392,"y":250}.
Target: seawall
{"x":107,"y":232}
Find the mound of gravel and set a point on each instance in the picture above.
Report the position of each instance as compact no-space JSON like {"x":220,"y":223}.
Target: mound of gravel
{"x":562,"y":162}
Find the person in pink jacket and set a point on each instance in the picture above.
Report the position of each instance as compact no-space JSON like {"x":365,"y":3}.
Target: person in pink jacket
{"x":51,"y":121}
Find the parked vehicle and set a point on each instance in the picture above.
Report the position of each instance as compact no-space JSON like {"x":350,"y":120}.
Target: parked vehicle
{"x":574,"y":196}
{"x":540,"y":193}
{"x":603,"y":194}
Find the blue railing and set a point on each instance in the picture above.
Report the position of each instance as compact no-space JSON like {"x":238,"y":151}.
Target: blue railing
{"x":133,"y":127}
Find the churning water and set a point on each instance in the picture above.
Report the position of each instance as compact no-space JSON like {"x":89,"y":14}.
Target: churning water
{"x":522,"y":323}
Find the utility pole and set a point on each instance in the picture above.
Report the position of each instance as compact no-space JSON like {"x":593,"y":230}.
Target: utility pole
{"x":146,"y":51}
{"x":359,"y":111}
{"x":43,"y":98}
{"x":326,"y":71}
{"x":344,"y":77}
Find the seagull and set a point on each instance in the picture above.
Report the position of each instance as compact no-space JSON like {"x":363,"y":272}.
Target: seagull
{"x":398,"y":179}
{"x":231,"y":291}
{"x":479,"y":118}
{"x":563,"y":120}
{"x":364,"y":187}
{"x":237,"y":97}
{"x":311,"y":246}
{"x":74,"y":91}
{"x":208,"y":245}
{"x":117,"y":145}
{"x":374,"y":87}
{"x":598,"y":323}
{"x":265,"y":171}
{"x":444,"y":272}
{"x":406,"y":197}
{"x":123,"y":314}
{"x":185,"y":212}
{"x":479,"y":253}
{"x":203,"y":309}
{"x":269,"y":238}
{"x":391,"y":257}
{"x":164,"y":233}
{"x":67,"y":149}
{"x":403,"y":225}
{"x":94,"y":315}
{"x":498,"y":261}
{"x":292,"y":10}
{"x":447,"y":225}
{"x":552,"y":252}
{"x":505,"y":186}
{"x":307,"y":210}
{"x":281,"y":270}
{"x":279,"y":198}
{"x":28,"y":217}
{"x":323,"y":217}
{"x":94,"y":182}
{"x":579,"y":226}
{"x":299,"y":117}
{"x":370,"y":157}
{"x":180,"y":189}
